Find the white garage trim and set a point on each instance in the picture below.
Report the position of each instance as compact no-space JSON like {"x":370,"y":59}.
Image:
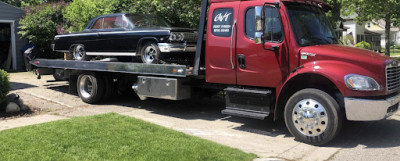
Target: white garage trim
{"x":13,"y":43}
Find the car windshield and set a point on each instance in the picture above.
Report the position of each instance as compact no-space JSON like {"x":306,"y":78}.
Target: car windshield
{"x":147,"y":21}
{"x":310,"y":25}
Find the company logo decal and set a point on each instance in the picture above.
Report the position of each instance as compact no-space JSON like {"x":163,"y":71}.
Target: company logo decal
{"x":221,"y":17}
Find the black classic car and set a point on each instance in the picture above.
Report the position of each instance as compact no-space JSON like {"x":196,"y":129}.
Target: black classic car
{"x":127,"y":36}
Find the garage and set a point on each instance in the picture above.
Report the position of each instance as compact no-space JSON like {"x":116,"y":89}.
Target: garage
{"x":11,"y":56}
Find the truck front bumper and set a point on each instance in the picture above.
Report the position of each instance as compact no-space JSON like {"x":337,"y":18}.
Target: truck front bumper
{"x":371,"y":110}
{"x":176,"y":47}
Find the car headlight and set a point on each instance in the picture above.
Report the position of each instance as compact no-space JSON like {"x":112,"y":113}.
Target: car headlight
{"x":361,"y":83}
{"x":176,"y":37}
{"x":172,"y":37}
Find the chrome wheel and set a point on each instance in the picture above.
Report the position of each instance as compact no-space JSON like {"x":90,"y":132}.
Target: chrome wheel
{"x":79,"y":52}
{"x":149,"y":55}
{"x":310,"y":117}
{"x":86,"y":86}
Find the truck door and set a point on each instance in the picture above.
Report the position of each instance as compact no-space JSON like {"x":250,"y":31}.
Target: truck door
{"x":259,"y":65}
{"x":221,"y":42}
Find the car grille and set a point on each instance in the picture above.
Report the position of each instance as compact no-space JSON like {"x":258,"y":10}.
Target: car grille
{"x":190,"y":37}
{"x":392,"y":77}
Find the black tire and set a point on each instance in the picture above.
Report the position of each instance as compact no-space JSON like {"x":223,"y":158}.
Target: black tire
{"x":109,"y":88}
{"x":90,"y":87}
{"x":313,"y":107}
{"x":79,"y":53}
{"x":59,"y":75}
{"x":150,"y":53}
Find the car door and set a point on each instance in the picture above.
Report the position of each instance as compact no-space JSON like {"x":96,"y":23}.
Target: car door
{"x":258,"y":65}
{"x":111,"y":37}
{"x":220,"y":44}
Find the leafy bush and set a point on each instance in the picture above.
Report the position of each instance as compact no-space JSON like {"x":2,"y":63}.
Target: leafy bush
{"x":40,"y":25}
{"x":80,"y":12}
{"x":4,"y":87}
{"x":397,"y":46}
{"x":363,"y":45}
{"x":179,"y":13}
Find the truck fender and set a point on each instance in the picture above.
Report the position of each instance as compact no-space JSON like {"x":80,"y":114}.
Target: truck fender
{"x":329,"y":70}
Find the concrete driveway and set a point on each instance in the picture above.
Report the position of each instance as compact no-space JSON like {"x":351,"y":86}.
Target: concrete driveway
{"x":358,"y":140}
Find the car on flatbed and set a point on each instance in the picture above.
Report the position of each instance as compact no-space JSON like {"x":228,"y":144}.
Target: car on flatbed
{"x":125,"y":36}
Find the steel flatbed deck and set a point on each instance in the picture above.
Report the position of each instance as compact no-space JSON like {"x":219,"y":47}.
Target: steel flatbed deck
{"x":115,"y":67}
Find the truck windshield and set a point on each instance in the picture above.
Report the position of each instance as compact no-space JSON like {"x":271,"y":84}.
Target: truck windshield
{"x":147,"y":21}
{"x":310,"y":25}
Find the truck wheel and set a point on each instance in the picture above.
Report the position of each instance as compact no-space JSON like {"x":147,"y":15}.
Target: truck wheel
{"x":150,"y":53}
{"x":79,"y":53}
{"x":90,"y":88}
{"x":313,"y":116}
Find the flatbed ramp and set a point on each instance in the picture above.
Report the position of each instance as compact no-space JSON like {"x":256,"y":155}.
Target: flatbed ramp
{"x":115,"y":67}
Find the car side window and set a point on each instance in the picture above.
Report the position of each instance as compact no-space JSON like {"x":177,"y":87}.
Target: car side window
{"x":273,"y":25}
{"x":98,"y":24}
{"x":109,"y":22}
{"x":114,"y":22}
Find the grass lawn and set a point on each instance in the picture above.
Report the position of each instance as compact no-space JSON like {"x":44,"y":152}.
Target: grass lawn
{"x":109,"y":137}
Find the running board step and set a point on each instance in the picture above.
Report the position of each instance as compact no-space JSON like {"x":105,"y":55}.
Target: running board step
{"x":248,"y":102}
{"x":243,"y":113}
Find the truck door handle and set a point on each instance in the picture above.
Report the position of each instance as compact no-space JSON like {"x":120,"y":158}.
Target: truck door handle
{"x":233,"y":29}
{"x":242,"y":61}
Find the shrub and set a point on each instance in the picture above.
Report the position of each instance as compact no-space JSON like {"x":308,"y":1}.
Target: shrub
{"x":397,"y":47}
{"x":4,"y":87}
{"x":40,"y":25}
{"x":80,"y":12}
{"x":179,"y":13}
{"x":363,"y":45}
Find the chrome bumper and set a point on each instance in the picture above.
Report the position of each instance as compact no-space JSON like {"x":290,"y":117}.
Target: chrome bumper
{"x":176,"y":47}
{"x":371,"y":110}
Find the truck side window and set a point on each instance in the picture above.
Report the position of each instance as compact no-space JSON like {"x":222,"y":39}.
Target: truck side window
{"x":272,"y":23}
{"x":222,"y":22}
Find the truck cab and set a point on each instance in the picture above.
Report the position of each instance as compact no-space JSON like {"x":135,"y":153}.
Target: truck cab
{"x":284,"y":55}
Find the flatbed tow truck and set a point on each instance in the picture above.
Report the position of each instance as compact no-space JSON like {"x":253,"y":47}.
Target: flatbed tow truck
{"x":271,"y":58}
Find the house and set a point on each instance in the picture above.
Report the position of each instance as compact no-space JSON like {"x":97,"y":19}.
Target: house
{"x":11,"y":44}
{"x":378,"y":26}
{"x":359,"y":32}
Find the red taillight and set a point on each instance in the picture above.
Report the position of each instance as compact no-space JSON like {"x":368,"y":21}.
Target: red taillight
{"x":36,"y":62}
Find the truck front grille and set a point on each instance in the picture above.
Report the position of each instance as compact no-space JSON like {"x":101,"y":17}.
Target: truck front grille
{"x":392,"y":77}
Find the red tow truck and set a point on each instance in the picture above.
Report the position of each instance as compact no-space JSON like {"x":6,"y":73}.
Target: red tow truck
{"x":275,"y":58}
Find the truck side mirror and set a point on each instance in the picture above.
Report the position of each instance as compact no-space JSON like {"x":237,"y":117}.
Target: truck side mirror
{"x":259,"y":24}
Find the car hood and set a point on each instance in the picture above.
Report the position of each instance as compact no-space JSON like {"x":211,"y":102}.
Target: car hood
{"x":364,"y":58}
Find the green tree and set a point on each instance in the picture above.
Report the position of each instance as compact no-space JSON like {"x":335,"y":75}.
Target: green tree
{"x":40,"y":25}
{"x":179,"y":13}
{"x":335,"y":14}
{"x":369,"y":10}
{"x":80,"y":12}
{"x":25,"y":3}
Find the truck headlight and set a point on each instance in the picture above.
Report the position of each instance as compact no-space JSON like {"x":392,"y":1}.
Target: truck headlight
{"x":361,"y":83}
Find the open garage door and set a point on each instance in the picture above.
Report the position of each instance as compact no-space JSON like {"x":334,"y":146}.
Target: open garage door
{"x":5,"y":45}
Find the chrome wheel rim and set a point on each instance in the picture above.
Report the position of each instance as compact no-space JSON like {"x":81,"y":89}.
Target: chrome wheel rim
{"x":149,"y":55}
{"x":79,"y":52}
{"x":86,"y":86}
{"x":310,"y":117}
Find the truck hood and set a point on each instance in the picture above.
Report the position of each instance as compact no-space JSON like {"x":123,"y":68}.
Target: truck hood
{"x":363,"y":58}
